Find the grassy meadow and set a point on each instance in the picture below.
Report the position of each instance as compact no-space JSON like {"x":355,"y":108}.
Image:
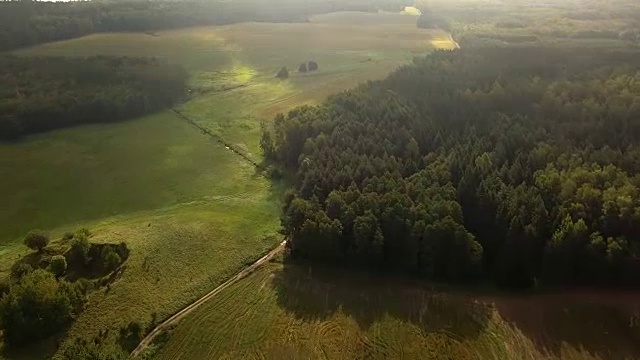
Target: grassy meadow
{"x":299,"y":312}
{"x":233,"y":66}
{"x":191,"y":211}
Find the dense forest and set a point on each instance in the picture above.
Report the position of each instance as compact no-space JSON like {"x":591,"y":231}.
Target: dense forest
{"x":40,"y":94}
{"x":27,"y":22}
{"x":516,"y":165}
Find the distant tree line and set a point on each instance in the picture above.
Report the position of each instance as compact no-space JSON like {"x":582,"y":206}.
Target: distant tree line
{"x":515,"y":165}
{"x":509,"y":22}
{"x":26,"y":22}
{"x":40,"y":94}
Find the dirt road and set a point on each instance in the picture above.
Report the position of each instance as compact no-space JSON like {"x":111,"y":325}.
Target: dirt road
{"x":182,"y":313}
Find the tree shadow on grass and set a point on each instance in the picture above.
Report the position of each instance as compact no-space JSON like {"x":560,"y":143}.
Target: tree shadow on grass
{"x":316,"y":293}
{"x":604,"y":324}
{"x":43,"y":349}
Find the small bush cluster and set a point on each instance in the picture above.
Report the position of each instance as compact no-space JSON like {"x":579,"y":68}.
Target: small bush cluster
{"x":38,"y":306}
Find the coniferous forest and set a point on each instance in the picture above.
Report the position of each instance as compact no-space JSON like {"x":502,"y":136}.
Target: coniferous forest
{"x":519,"y":166}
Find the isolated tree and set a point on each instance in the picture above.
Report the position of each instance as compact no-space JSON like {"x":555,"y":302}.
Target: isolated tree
{"x":36,"y":240}
{"x":303,"y":68}
{"x":283,"y":73}
{"x":313,"y":66}
{"x":58,"y":265}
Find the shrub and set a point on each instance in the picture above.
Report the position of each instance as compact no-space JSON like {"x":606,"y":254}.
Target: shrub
{"x":58,"y":265}
{"x":20,"y":270}
{"x":37,"y":307}
{"x":302,"y":68}
{"x":283,"y":73}
{"x":80,"y":249}
{"x":110,"y":258}
{"x":130,"y":335}
{"x":313,"y":66}
{"x":80,"y":349}
{"x":36,"y":240}
{"x":83,"y":232}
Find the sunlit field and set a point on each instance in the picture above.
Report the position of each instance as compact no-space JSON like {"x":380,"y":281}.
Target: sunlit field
{"x":192,"y":212}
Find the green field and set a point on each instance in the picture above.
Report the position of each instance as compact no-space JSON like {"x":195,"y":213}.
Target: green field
{"x":92,"y":172}
{"x":202,"y":215}
{"x":298,"y":312}
{"x":191,"y":211}
{"x":245,"y":58}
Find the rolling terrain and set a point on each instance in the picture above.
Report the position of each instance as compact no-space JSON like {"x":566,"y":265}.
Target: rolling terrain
{"x":192,"y":212}
{"x":182,"y":189}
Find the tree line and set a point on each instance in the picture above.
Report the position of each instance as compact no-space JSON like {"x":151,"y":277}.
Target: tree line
{"x":26,"y":22}
{"x":40,"y":94}
{"x":519,"y":166}
{"x":613,"y":21}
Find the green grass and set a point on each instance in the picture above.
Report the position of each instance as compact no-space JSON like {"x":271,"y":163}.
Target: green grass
{"x":201,"y":215}
{"x":293,"y":312}
{"x":92,"y":172}
{"x":191,"y":212}
{"x":70,"y":177}
{"x":296,"y":312}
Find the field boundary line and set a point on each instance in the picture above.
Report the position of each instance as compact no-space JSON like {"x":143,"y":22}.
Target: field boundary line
{"x":146,"y":341}
{"x":217,"y":138}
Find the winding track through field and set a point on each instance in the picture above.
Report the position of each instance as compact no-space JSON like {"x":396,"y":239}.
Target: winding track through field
{"x":144,"y":343}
